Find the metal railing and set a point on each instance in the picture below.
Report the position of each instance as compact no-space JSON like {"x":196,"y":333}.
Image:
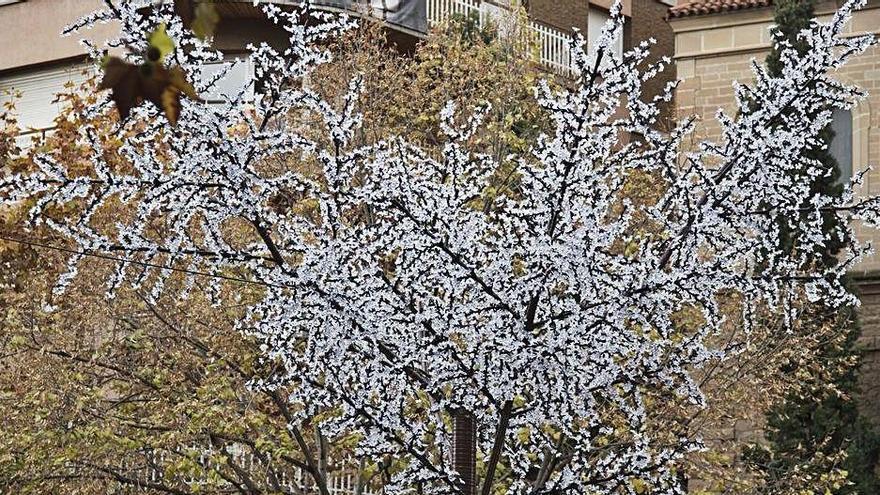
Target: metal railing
{"x":441,"y":10}
{"x":293,"y":479}
{"x":553,"y":45}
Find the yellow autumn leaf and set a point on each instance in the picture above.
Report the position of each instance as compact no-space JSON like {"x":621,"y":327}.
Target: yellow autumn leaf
{"x":523,"y":435}
{"x":177,"y":78}
{"x":640,"y":486}
{"x":160,"y":40}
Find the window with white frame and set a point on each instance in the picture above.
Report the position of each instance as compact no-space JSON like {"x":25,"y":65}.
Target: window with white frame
{"x":225,"y":80}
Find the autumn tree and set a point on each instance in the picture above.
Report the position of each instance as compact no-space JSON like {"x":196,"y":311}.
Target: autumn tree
{"x":116,"y":396}
{"x":102,"y":397}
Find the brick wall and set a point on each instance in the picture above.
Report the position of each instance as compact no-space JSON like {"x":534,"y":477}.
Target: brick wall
{"x":649,"y":21}
{"x":560,"y":14}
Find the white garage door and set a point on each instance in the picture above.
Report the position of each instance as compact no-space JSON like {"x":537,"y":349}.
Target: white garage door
{"x":34,"y":107}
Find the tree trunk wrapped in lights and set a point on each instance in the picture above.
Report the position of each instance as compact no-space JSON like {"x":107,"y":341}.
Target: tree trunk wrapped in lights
{"x":546,"y":320}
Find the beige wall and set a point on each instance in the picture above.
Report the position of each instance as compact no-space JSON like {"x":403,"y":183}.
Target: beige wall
{"x":713,"y":51}
{"x":30,"y":31}
{"x":870,"y":340}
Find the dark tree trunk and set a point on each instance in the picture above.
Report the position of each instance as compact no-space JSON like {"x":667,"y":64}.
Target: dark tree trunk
{"x":464,"y":449}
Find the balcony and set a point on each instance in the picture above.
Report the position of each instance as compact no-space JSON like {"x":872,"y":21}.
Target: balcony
{"x":415,"y":17}
{"x":553,"y":45}
{"x":41,"y":72}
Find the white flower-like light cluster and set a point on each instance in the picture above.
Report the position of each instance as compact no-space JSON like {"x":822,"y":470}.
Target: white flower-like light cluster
{"x":402,"y":303}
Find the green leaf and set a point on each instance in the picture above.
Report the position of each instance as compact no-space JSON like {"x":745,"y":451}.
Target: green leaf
{"x":160,"y":40}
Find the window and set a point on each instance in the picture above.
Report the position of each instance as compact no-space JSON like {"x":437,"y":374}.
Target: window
{"x":36,"y":108}
{"x":841,"y":145}
{"x":596,"y":19}
{"x":236,"y":77}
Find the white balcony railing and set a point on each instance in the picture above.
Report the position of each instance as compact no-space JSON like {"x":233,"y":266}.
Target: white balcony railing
{"x":554,"y":48}
{"x":553,"y":45}
{"x":441,"y":10}
{"x":295,"y":480}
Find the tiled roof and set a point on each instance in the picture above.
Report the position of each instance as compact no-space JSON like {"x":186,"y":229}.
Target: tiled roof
{"x":703,"y":7}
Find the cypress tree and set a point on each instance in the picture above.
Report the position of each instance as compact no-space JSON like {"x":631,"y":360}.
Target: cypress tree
{"x":818,"y":420}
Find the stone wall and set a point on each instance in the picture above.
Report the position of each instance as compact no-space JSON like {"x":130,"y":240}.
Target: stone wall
{"x":713,"y":51}
{"x":870,"y":340}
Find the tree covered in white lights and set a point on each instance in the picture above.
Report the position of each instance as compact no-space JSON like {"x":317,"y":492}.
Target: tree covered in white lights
{"x":412,"y":303}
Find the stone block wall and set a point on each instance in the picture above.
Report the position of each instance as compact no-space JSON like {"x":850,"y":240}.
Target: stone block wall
{"x":869,"y":382}
{"x":713,"y":51}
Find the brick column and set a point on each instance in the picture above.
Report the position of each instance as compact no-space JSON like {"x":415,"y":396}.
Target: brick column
{"x":464,"y":449}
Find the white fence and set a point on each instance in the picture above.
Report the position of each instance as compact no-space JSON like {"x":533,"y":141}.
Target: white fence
{"x":553,"y":45}
{"x":293,"y":479}
{"x":440,"y":10}
{"x":554,"y":48}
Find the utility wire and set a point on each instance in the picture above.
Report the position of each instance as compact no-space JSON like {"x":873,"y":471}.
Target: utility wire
{"x":144,"y":264}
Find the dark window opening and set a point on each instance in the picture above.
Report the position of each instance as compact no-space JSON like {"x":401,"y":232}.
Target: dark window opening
{"x":841,"y":145}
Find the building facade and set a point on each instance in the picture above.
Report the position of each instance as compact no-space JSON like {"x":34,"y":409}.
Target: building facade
{"x":40,"y":68}
{"x":715,"y":42}
{"x":32,"y":74}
